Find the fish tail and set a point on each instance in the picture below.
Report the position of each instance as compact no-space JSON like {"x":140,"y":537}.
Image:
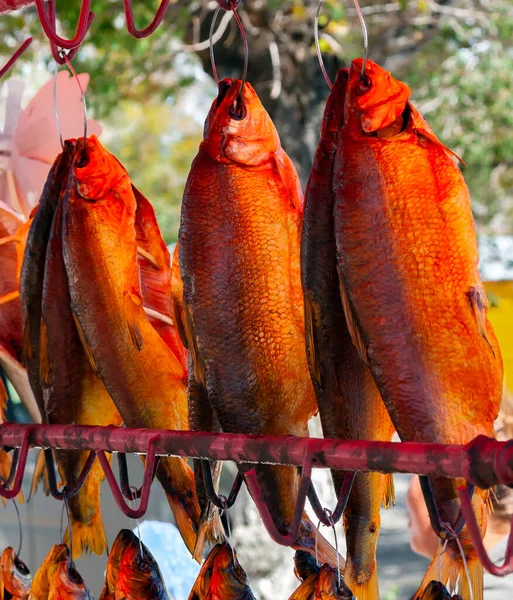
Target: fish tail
{"x":210,"y":529}
{"x":363,"y":589}
{"x":40,"y":473}
{"x":388,"y":499}
{"x":452,"y":573}
{"x":88,"y":536}
{"x":177,"y":479}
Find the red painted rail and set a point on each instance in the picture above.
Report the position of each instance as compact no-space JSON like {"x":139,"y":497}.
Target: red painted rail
{"x":484,"y":462}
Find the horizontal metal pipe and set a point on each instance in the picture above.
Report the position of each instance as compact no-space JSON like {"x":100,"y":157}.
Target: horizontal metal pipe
{"x":476,"y":461}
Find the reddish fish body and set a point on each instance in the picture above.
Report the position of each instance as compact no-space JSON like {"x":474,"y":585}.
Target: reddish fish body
{"x":414,"y":302}
{"x":350,"y":405}
{"x":15,"y":578}
{"x":141,"y":373}
{"x":243,"y":309}
{"x":46,"y":573}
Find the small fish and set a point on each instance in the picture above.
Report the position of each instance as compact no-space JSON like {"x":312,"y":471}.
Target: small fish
{"x":15,"y":578}
{"x":67,"y":584}
{"x":409,"y":282}
{"x":243,"y":314}
{"x":45,"y":574}
{"x":221,"y":577}
{"x":139,"y":576}
{"x":141,"y":373}
{"x":115,"y":555}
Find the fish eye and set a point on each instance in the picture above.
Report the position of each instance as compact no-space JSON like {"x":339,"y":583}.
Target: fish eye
{"x":21,"y":567}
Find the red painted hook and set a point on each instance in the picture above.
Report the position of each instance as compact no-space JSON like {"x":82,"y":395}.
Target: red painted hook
{"x":149,"y":472}
{"x":477,"y":541}
{"x":256,"y":493}
{"x":15,"y":57}
{"x":18,"y":464}
{"x":142,"y":33}
{"x":342,"y":500}
{"x":48,"y":23}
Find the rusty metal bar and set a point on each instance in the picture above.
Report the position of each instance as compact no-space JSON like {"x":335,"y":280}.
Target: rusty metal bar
{"x":476,"y":461}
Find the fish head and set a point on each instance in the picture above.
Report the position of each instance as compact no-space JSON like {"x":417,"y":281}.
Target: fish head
{"x":96,"y":171}
{"x":305,"y":565}
{"x":45,"y":573}
{"x":328,"y":587}
{"x":68,"y":583}
{"x":139,"y":575}
{"x":229,"y":580}
{"x":119,"y":546}
{"x":376,"y":100}
{"x":334,"y":110}
{"x":436,"y":591}
{"x":238,"y":128}
{"x":15,"y":574}
{"x":202,"y":584}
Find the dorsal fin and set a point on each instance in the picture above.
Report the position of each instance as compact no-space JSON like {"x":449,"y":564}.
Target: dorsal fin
{"x":352,"y":325}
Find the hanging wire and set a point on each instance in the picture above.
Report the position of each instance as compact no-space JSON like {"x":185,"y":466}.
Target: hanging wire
{"x":463,"y":558}
{"x":233,"y":6}
{"x":329,"y":516}
{"x":134,"y":490}
{"x":71,"y":564}
{"x":20,"y":545}
{"x":318,"y":47}
{"x":365,"y":38}
{"x":62,"y":54}
{"x":224,"y":500}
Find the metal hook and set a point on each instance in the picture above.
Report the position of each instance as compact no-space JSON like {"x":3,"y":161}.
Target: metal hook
{"x":66,"y":493}
{"x":19,"y":461}
{"x":157,"y":20}
{"x":256,"y":493}
{"x":224,"y":501}
{"x":233,"y":5}
{"x":48,"y":23}
{"x":342,"y":500}
{"x":71,"y":564}
{"x":15,"y":57}
{"x":318,"y":47}
{"x":20,"y":528}
{"x":365,"y":38}
{"x":442,"y":530}
{"x":220,"y":501}
{"x":130,"y":492}
{"x":149,"y":471}
{"x":477,"y":541}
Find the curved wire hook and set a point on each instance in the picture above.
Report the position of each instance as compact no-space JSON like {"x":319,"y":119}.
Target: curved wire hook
{"x":20,"y":545}
{"x":71,"y":564}
{"x":220,"y":501}
{"x":19,"y":461}
{"x":318,"y":47}
{"x":130,"y":492}
{"x":149,"y":471}
{"x":66,"y":493}
{"x":365,"y":38}
{"x":233,"y":6}
{"x":475,"y":535}
{"x":15,"y":57}
{"x":442,"y":530}
{"x":142,"y":33}
{"x":48,"y":23}
{"x":342,"y":500}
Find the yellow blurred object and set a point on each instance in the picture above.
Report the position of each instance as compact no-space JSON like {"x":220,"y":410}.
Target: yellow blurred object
{"x":500,"y":299}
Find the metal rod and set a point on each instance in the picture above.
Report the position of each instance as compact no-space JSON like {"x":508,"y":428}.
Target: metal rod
{"x":475,"y":461}
{"x":15,"y":57}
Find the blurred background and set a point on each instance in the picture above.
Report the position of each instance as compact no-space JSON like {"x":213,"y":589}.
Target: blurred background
{"x":151,"y":97}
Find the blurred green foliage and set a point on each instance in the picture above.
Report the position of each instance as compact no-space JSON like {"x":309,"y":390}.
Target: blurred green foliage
{"x":456,"y":55}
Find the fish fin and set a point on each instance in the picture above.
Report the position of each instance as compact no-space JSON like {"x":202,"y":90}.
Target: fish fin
{"x":363,"y":590}
{"x":452,"y":571}
{"x":315,"y":367}
{"x":307,"y":539}
{"x":184,"y":524}
{"x":177,"y":296}
{"x":422,"y":129}
{"x":290,"y":180}
{"x":354,"y":330}
{"x":131,"y":311}
{"x":149,"y":257}
{"x":27,"y":351}
{"x":388,"y":498}
{"x":88,"y":538}
{"x":479,"y":304}
{"x":179,"y":323}
{"x":44,"y":360}
{"x":197,"y":363}
{"x":40,"y":473}
{"x":210,"y":529}
{"x":85,"y":344}
{"x":9,"y":297}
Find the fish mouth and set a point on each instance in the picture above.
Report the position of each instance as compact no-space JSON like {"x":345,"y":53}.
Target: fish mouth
{"x":74,"y":576}
{"x":237,"y":109}
{"x":224,"y":86}
{"x":21,"y":567}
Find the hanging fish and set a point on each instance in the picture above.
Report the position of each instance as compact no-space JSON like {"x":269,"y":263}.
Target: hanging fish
{"x":72,"y":392}
{"x":15,"y":578}
{"x":322,"y":585}
{"x":410,"y":287}
{"x":243,"y":314}
{"x":221,"y":577}
{"x":13,"y":237}
{"x":306,"y":569}
{"x":437,"y":591}
{"x":115,"y":555}
{"x":141,"y":373}
{"x":67,"y":584}
{"x":46,"y":573}
{"x":350,"y":405}
{"x":139,"y":576}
